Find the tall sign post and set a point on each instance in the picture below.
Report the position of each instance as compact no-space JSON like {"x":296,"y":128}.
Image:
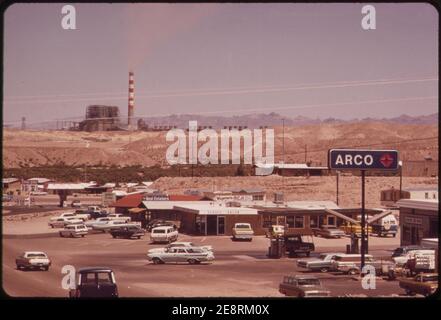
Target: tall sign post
{"x":363,"y":160}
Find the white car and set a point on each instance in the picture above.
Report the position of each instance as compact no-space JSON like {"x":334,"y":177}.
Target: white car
{"x":119,"y":216}
{"x":82,"y":216}
{"x":180,"y":245}
{"x":62,"y":222}
{"x":33,"y":260}
{"x":181,"y":254}
{"x":425,"y":254}
{"x":74,"y":230}
{"x":112,"y":224}
{"x":103,"y":220}
{"x":163,"y":234}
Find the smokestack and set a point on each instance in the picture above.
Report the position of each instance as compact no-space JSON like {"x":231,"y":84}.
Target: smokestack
{"x":131,"y":109}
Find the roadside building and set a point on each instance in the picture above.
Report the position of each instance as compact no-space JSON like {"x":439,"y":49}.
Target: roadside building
{"x":418,"y":219}
{"x":390,"y":196}
{"x":11,"y":186}
{"x":36,"y":184}
{"x":237,"y":194}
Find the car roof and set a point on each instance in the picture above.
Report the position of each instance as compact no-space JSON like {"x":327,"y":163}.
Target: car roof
{"x":34,"y":252}
{"x":304,"y":277}
{"x":94,"y":269}
{"x":162,"y":227}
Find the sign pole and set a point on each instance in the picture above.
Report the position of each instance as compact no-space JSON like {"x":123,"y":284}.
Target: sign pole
{"x":363,"y":220}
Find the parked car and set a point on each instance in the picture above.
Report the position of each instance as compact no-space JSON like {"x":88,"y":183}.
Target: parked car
{"x":75,"y":203}
{"x":179,"y":245}
{"x":295,"y":244}
{"x":62,"y":222}
{"x":275,"y":231}
{"x":328,"y":231}
{"x":74,"y":230}
{"x":423,"y":283}
{"x":385,"y":226}
{"x":402,"y":251}
{"x":95,"y":282}
{"x":421,"y":255}
{"x":79,"y":214}
{"x":181,"y":254}
{"x":243,"y":231}
{"x":33,"y":260}
{"x":351,"y":264}
{"x":112,"y":224}
{"x":303,"y":287}
{"x":160,"y":223}
{"x":322,"y":263}
{"x":119,"y":216}
{"x":127,"y":232}
{"x":163,"y":234}
{"x":102,"y":220}
{"x":350,"y":228}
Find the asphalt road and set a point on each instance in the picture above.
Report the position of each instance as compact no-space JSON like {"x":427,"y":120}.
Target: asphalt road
{"x":241,"y":269}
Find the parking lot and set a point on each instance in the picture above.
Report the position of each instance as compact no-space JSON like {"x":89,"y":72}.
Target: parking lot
{"x":224,"y":277}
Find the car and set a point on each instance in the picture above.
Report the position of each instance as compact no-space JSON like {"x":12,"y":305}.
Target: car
{"x":102,"y":220}
{"x":112,"y":224}
{"x":181,"y":254}
{"x":243,"y":231}
{"x":180,"y":244}
{"x":62,"y":222}
{"x":303,"y":287}
{"x":163,"y":234}
{"x":95,"y":282}
{"x":79,"y":214}
{"x":33,"y":260}
{"x":349,"y":228}
{"x":322,"y":263}
{"x":351,"y":263}
{"x":423,"y":283}
{"x":127,"y":232}
{"x":74,"y":230}
{"x":75,"y":203}
{"x":295,"y":244}
{"x":119,"y":216}
{"x":328,"y":231}
{"x":402,"y":251}
{"x":160,"y":223}
{"x":414,"y":254}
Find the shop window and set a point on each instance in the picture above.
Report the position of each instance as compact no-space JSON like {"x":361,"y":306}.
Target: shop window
{"x":268,"y":220}
{"x":426,"y":195}
{"x":258,"y":197}
{"x":295,"y":221}
{"x":433,"y":229}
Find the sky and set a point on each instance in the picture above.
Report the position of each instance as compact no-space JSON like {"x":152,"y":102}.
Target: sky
{"x":312,"y":60}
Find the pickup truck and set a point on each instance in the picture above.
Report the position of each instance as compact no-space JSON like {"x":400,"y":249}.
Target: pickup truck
{"x":423,"y":283}
{"x":243,"y":231}
{"x":294,"y":244}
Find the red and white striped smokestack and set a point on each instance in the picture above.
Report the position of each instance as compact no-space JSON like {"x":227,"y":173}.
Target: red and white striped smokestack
{"x":131,"y":109}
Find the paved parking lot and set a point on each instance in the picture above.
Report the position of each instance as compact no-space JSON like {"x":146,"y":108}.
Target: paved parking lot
{"x":241,"y":269}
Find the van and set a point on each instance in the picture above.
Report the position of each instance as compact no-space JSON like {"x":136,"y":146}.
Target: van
{"x":163,"y":234}
{"x":386,"y":226}
{"x":74,"y":230}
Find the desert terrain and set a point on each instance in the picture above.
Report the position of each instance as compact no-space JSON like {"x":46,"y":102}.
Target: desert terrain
{"x":122,"y":148}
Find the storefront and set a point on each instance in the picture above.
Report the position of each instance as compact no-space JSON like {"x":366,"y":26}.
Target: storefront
{"x":418,"y":219}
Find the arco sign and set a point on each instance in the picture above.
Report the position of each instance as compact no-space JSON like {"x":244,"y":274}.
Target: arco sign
{"x":355,"y":159}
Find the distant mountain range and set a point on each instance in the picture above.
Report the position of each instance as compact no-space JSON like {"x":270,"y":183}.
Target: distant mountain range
{"x":261,"y":119}
{"x":274,"y":119}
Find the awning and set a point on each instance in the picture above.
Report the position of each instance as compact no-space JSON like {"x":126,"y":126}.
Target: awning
{"x":342,"y":216}
{"x":137,"y":210}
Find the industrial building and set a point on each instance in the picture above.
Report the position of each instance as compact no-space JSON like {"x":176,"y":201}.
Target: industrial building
{"x":100,"y":118}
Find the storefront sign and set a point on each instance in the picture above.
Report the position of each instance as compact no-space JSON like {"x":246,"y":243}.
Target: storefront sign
{"x":413,"y":220}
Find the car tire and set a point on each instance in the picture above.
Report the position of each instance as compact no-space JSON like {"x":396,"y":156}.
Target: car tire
{"x":113,"y":236}
{"x":46,"y":268}
{"x":192,"y":261}
{"x":324,"y":269}
{"x":61,"y":234}
{"x":83,"y":235}
{"x":157,"y":261}
{"x":352,"y":272}
{"x":409,"y":292}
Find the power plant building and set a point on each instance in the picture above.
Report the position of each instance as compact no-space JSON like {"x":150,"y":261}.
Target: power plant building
{"x":101,"y":118}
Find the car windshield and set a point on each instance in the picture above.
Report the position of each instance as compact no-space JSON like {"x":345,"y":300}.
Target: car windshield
{"x":430,"y":278}
{"x":36,"y":255}
{"x":159,"y":231}
{"x":308,"y":282}
{"x":243,"y":226}
{"x":323,"y":256}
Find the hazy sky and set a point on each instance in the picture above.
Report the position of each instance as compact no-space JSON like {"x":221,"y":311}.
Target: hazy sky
{"x":221,"y":58}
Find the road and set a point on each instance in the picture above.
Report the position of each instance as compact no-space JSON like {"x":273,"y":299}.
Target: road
{"x":241,"y":269}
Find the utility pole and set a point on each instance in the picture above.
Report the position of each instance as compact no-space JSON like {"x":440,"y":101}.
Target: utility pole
{"x":306,"y":152}
{"x":400,"y":164}
{"x":23,"y":123}
{"x":337,"y":178}
{"x":363,"y":220}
